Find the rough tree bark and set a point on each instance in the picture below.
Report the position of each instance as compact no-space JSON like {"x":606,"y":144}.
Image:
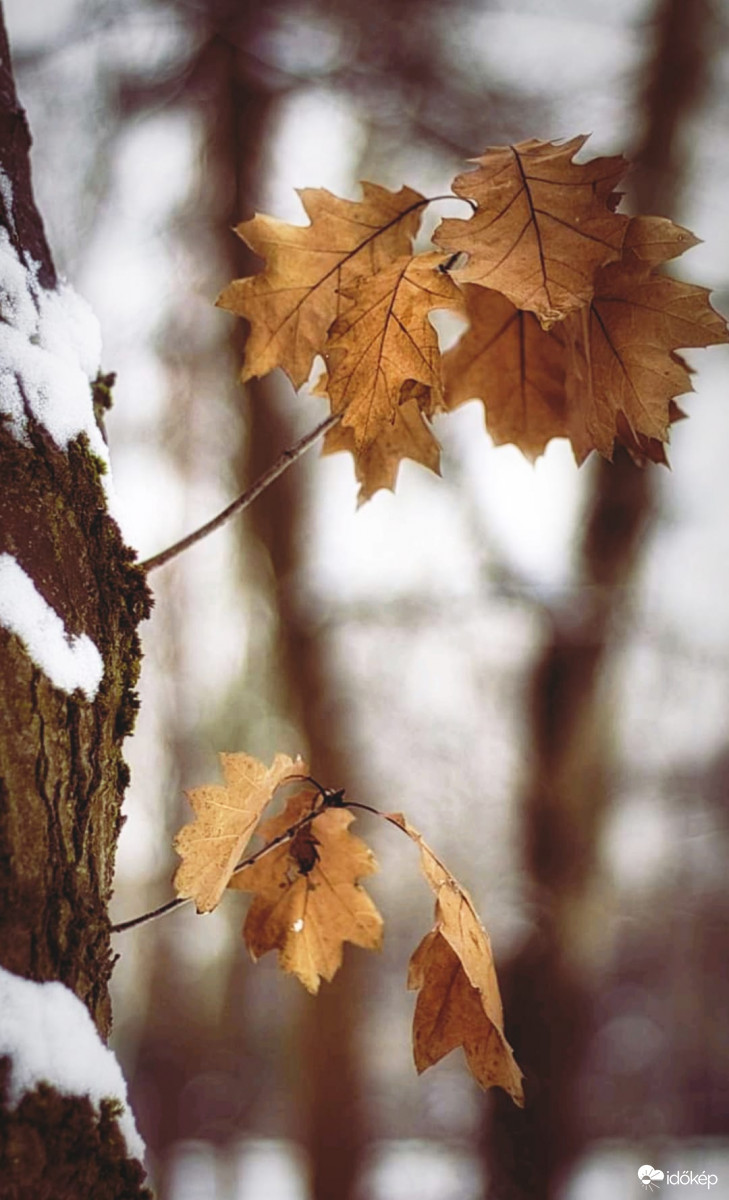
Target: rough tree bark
{"x":62,"y":775}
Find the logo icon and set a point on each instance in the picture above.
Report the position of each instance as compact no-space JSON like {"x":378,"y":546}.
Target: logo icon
{"x":650,"y":1177}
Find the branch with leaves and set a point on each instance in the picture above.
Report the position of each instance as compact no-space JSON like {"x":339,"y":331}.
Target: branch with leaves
{"x":572,"y":331}
{"x":308,"y":901}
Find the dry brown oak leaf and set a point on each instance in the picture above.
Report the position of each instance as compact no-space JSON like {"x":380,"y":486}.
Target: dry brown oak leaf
{"x":514,"y":366}
{"x":226,"y":815}
{"x":293,"y":302}
{"x":383,"y":342}
{"x":542,"y":227}
{"x":307,"y":899}
{"x":459,"y":1002}
{"x":622,"y":369}
{"x":407,"y":436}
{"x":607,"y":374}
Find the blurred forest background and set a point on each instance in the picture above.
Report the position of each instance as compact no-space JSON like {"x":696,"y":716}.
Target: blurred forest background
{"x":533,"y":663}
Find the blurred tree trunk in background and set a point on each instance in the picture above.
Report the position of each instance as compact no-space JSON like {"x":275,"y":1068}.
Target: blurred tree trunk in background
{"x":549,"y":989}
{"x":330,"y":1084}
{"x":192,"y":1057}
{"x":286,"y":669}
{"x":327,"y":1088}
{"x":292,"y":667}
{"x":62,"y":772}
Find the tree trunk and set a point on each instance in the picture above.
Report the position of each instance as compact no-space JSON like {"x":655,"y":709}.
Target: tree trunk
{"x":70,"y":602}
{"x":328,"y":1097}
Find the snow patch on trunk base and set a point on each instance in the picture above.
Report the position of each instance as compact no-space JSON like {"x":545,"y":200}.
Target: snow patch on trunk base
{"x":50,"y":1038}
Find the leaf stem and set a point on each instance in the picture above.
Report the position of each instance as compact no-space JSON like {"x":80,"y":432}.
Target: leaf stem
{"x":377,"y":812}
{"x":246,"y":498}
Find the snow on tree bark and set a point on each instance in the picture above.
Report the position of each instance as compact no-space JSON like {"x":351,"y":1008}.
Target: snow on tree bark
{"x":72,"y":598}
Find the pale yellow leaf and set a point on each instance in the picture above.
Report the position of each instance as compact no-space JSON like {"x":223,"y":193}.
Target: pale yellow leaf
{"x":226,"y":816}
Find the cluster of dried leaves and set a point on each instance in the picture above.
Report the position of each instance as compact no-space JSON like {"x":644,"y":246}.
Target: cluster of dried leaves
{"x":572,"y":331}
{"x":308,"y":901}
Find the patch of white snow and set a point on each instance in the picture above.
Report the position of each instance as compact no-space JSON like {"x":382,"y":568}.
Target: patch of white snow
{"x":50,"y":1038}
{"x":69,"y":662}
{"x":50,"y":351}
{"x":6,"y":191}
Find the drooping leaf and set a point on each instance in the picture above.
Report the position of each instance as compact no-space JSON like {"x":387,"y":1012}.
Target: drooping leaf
{"x":293,"y":302}
{"x":226,"y":816}
{"x":376,"y":466}
{"x":384,"y":341}
{"x":514,"y":366}
{"x":308,"y":901}
{"x":622,"y":365}
{"x":453,"y":967}
{"x":542,"y":227}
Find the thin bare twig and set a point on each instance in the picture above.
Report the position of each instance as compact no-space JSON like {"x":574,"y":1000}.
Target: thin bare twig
{"x":171,"y":905}
{"x":289,"y":456}
{"x":163,"y":909}
{"x":243,"y":501}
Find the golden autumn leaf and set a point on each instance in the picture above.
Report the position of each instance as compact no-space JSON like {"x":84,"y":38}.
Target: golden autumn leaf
{"x":542,"y":227}
{"x":622,"y":365}
{"x":226,"y":816}
{"x":453,"y":967}
{"x":293,"y":302}
{"x":384,"y":341}
{"x":308,"y":901}
{"x":514,"y":366}
{"x":406,"y":436}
